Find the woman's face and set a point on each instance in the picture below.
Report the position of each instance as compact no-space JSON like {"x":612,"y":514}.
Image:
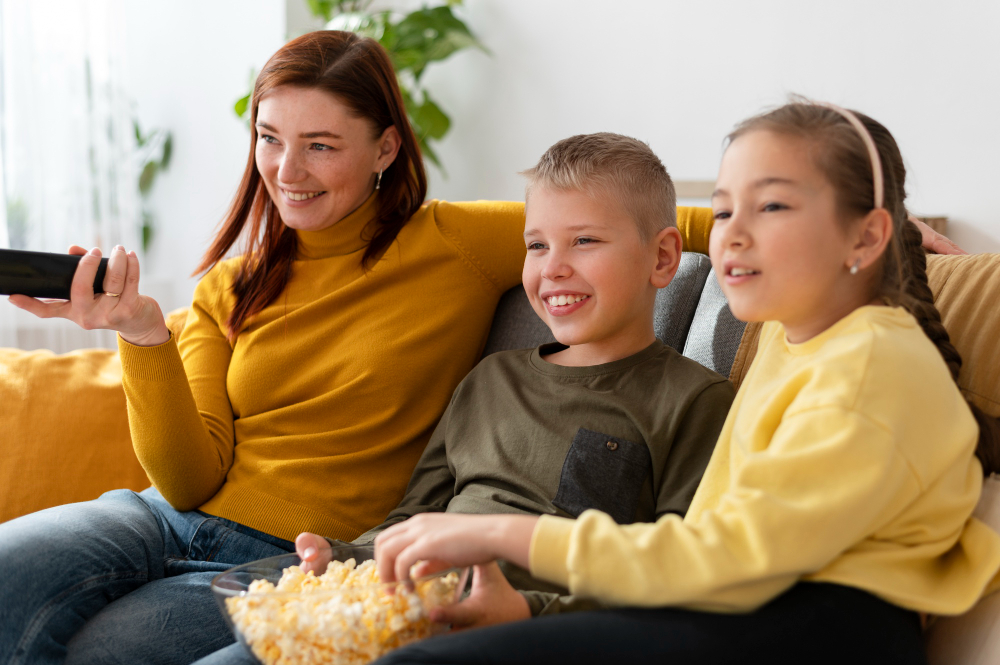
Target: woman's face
{"x":318,"y":159}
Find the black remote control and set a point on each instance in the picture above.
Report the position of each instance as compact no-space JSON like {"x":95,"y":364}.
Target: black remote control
{"x":41,"y":274}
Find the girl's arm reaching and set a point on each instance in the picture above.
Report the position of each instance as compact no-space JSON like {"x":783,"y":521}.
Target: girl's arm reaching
{"x":459,"y":540}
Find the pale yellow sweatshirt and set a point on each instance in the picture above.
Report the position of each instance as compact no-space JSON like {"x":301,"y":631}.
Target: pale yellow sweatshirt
{"x":845,"y":459}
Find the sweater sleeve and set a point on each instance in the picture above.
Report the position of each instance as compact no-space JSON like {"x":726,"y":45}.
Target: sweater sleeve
{"x":431,"y":487}
{"x":825,"y":466}
{"x":179,"y":412}
{"x":490,"y":234}
{"x":692,"y":448}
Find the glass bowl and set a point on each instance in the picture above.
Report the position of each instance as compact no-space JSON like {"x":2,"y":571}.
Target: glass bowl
{"x":313,"y":620}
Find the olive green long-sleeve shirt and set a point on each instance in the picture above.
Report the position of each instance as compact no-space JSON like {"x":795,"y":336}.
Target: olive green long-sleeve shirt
{"x":522,"y":435}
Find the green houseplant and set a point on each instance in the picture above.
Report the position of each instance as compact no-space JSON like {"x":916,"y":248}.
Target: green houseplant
{"x":413,"y":40}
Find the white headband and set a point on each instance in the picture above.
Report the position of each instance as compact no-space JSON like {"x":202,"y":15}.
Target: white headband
{"x":869,"y":143}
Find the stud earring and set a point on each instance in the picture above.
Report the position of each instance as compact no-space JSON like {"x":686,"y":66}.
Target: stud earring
{"x":378,"y":180}
{"x":856,"y":266}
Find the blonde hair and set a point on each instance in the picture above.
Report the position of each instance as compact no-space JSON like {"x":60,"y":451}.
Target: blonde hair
{"x":614,"y":166}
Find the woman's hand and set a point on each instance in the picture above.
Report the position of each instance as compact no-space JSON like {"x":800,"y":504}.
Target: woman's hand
{"x":137,"y":318}
{"x":492,"y":601}
{"x":314,"y":551}
{"x":933,"y":241}
{"x":457,"y":540}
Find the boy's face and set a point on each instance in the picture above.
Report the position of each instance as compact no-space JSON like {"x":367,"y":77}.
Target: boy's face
{"x":589,"y":275}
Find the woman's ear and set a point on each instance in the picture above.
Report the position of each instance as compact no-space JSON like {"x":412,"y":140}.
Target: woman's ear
{"x":873,"y":235}
{"x":668,"y":256}
{"x":388,"y":147}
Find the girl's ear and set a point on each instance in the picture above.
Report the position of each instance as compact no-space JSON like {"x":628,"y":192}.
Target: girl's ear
{"x":668,"y":256}
{"x":873,"y":235}
{"x":388,"y":147}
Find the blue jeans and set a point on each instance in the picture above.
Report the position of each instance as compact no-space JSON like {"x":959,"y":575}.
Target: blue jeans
{"x":123,"y":579}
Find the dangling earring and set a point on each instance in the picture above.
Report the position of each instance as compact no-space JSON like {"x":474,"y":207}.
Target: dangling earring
{"x":854,"y":268}
{"x":378,"y":180}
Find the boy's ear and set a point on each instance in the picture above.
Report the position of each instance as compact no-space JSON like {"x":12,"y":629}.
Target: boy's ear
{"x":873,"y":235}
{"x":668,"y":256}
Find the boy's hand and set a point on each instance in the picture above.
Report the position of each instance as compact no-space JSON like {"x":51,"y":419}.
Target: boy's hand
{"x":314,"y":551}
{"x":492,"y":601}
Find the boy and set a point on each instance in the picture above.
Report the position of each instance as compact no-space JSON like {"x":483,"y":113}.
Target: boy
{"x":608,"y":417}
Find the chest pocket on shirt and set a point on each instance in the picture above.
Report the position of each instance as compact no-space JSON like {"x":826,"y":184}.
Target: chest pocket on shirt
{"x":603,"y":472}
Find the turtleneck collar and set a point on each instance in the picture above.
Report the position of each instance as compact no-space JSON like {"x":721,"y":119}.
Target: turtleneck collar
{"x":339,"y":239}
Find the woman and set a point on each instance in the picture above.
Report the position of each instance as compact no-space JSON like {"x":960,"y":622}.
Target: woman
{"x":310,"y":372}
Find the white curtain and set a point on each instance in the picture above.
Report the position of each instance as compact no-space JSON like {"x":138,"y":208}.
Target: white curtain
{"x":68,"y":172}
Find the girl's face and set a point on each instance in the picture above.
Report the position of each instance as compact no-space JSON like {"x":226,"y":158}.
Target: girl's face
{"x":778,"y":247}
{"x":318,"y":159}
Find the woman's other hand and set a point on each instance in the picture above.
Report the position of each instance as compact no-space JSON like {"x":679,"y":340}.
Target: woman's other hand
{"x":933,"y":241}
{"x":458,"y":540}
{"x":137,"y":318}
{"x":492,"y":601}
{"x":314,"y":551}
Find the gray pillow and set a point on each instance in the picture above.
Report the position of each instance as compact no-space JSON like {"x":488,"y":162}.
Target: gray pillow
{"x":515,"y":325}
{"x":715,"y":333}
{"x":676,"y":303}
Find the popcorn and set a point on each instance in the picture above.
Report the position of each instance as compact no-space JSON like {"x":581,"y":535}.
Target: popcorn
{"x":344,"y":616}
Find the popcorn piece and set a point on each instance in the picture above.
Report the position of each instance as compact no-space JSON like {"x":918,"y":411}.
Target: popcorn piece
{"x":344,"y":616}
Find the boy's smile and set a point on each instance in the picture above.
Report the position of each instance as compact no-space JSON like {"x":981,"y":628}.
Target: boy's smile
{"x":561,"y":303}
{"x":589,"y":275}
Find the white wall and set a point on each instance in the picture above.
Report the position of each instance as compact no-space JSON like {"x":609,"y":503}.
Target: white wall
{"x":189,"y":61}
{"x":679,"y":75}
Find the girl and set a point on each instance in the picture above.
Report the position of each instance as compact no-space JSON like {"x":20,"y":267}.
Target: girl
{"x":837,"y":504}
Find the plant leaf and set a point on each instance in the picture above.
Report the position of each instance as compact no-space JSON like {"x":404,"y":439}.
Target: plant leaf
{"x":168,"y":151}
{"x":361,"y":23}
{"x":323,"y":8}
{"x":242,"y":104}
{"x":434,"y":123}
{"x":146,"y":177}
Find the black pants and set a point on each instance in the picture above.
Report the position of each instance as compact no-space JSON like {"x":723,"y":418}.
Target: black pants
{"x":811,"y":624}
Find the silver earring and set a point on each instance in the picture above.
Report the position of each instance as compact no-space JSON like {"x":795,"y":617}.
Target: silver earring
{"x":856,"y":266}
{"x":378,"y":180}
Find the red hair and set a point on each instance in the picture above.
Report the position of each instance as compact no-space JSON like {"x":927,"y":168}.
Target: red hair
{"x":358,"y":71}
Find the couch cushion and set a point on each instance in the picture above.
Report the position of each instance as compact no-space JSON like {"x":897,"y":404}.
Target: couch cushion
{"x":715,"y":333}
{"x":65,"y":430}
{"x":966,"y":291}
{"x":515,"y":325}
{"x":677,"y":302}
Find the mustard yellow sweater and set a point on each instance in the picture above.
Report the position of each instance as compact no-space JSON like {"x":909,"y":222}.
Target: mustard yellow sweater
{"x":314,"y":419}
{"x":846,"y":459}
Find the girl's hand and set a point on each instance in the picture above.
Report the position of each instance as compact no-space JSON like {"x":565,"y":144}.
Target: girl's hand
{"x":314,"y":551}
{"x":492,"y":601}
{"x":137,"y":318}
{"x":458,"y":540}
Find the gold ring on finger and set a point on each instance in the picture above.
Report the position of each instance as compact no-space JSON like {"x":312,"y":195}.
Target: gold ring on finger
{"x":111,"y":295}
